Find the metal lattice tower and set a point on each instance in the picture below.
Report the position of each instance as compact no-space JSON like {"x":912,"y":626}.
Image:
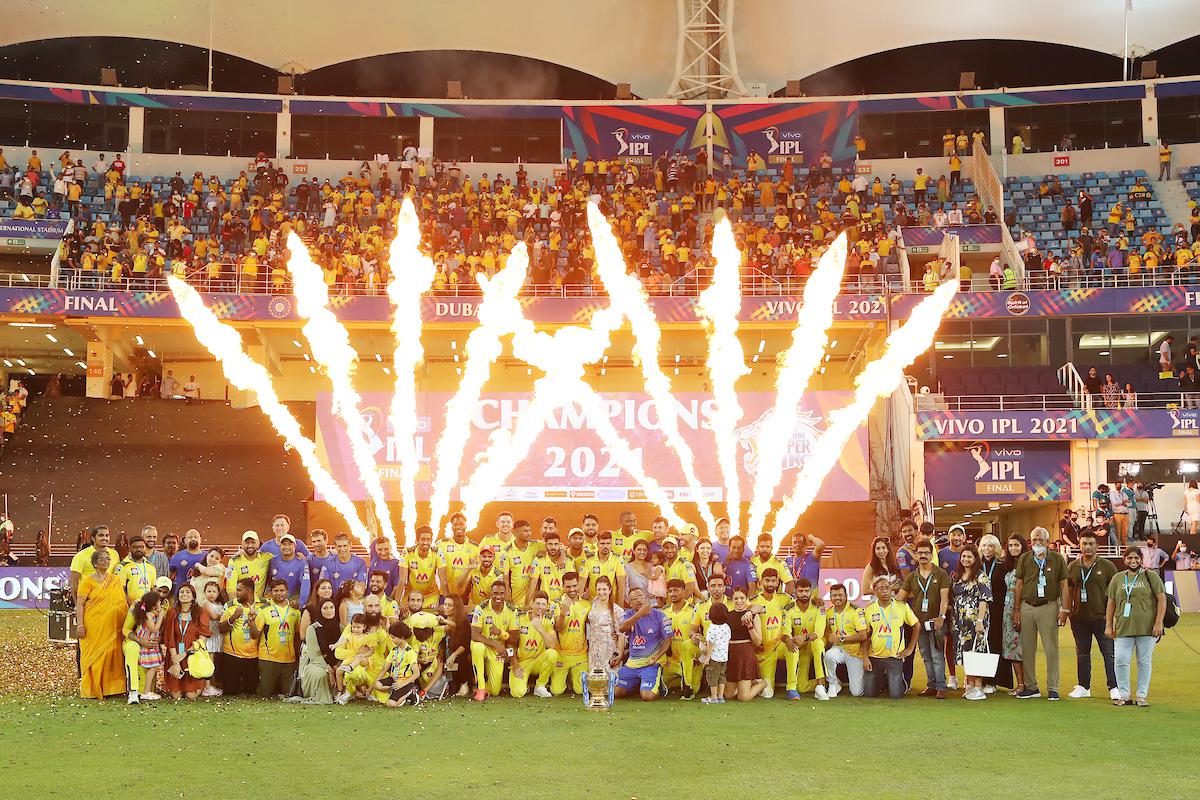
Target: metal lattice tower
{"x":705,"y":59}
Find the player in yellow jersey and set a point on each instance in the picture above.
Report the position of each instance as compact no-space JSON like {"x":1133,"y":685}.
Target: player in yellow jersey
{"x":577,"y":549}
{"x":426,"y":640}
{"x":502,"y":539}
{"x":419,"y":568}
{"x":625,"y":537}
{"x":519,"y":562}
{"x":570,"y":625}
{"x":377,"y":588}
{"x":774,"y":609}
{"x":239,"y":662}
{"x":136,"y":573}
{"x":249,"y":563}
{"x":396,"y":683}
{"x":536,"y":649}
{"x":375,"y":646}
{"x":893,"y":627}
{"x":605,"y":563}
{"x":550,"y":567}
{"x":845,"y":631}
{"x":493,"y":637}
{"x":457,"y":556}
{"x":764,"y":558}
{"x":278,"y":642}
{"x":806,"y":638}
{"x":681,"y":661}
{"x":483,"y":576}
{"x":591,"y":532}
{"x":675,"y":567}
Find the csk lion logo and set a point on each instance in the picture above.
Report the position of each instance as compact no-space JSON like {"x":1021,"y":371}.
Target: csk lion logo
{"x":799,"y":447}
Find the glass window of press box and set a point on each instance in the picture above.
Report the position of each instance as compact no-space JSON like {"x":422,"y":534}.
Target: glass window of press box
{"x":916,"y":133}
{"x":997,"y":343}
{"x":66,"y":125}
{"x":1089,"y":126}
{"x":209,"y":133}
{"x":502,"y":140}
{"x":1130,"y":340}
{"x":1179,"y":119}
{"x":357,"y":138}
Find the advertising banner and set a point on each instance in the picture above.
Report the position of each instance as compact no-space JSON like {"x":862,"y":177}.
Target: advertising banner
{"x":1012,"y":471}
{"x":1063,"y":302}
{"x":569,"y":462}
{"x":1101,"y":423}
{"x":53,"y":229}
{"x":967,"y":234}
{"x":781,"y":132}
{"x":28,"y":587}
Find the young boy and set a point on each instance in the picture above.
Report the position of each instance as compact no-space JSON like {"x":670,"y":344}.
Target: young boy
{"x":397,"y":682}
{"x":716,"y":653}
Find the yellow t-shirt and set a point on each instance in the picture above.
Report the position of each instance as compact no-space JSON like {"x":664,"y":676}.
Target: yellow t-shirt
{"x":239,"y":641}
{"x":807,"y":620}
{"x":277,"y":627}
{"x":520,"y":565}
{"x":776,"y":618}
{"x":82,"y":561}
{"x":137,"y":577}
{"x":457,"y":559}
{"x":785,"y":574}
{"x":530,"y":641}
{"x":571,"y":637}
{"x":887,"y":627}
{"x":495,"y":624}
{"x":481,"y":583}
{"x":681,"y":624}
{"x":593,"y":568}
{"x":550,"y":575}
{"x":255,"y":569}
{"x":847,"y":622}
{"x":422,"y":571}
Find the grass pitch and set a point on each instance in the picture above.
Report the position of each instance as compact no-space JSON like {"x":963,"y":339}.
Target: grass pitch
{"x":57,"y":746}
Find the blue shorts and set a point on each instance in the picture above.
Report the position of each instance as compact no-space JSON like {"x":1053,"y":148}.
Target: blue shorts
{"x":647,"y":679}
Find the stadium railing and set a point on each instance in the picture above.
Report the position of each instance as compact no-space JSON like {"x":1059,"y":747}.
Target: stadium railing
{"x":1048,"y":402}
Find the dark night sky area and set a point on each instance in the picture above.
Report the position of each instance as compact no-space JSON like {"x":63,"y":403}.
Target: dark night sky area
{"x":492,"y":75}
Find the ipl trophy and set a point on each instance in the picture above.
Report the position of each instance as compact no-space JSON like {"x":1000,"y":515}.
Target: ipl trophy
{"x":598,"y":687}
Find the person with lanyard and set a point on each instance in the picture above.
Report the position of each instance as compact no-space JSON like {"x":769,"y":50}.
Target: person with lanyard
{"x":1133,"y":619}
{"x":278,"y":643}
{"x":991,"y":567}
{"x":1088,"y":577}
{"x":891,"y":624}
{"x":1041,"y":590}
{"x":186,"y":623}
{"x":929,"y":588}
{"x":649,"y":634}
{"x":846,"y":630}
{"x":805,"y":562}
{"x":292,"y":568}
{"x":137,"y":575}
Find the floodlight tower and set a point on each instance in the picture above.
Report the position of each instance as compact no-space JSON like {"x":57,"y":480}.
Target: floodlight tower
{"x":705,"y":59}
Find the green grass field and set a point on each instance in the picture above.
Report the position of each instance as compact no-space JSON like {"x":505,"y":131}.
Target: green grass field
{"x":60,"y":746}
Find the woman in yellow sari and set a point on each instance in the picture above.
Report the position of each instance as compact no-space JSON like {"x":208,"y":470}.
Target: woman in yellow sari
{"x":99,"y":613}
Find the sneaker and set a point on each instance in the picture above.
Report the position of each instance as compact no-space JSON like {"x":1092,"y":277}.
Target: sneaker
{"x":1053,"y":695}
{"x":710,"y":700}
{"x":342,"y":699}
{"x":133,"y":698}
{"x":688,"y":695}
{"x":541,"y":691}
{"x":952,"y":682}
{"x":820,"y":693}
{"x":151,"y":696}
{"x":974,"y":693}
{"x":989,"y":689}
{"x":480,"y":695}
{"x":720,"y":699}
{"x":1027,"y":693}
{"x":792,"y":694}
{"x":768,"y":693}
{"x":1114,"y":693}
{"x":835,"y":688}
{"x":1079,"y":692}
{"x":211,"y":691}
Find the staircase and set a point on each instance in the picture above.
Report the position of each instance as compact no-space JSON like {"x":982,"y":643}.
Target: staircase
{"x":1174,"y":198}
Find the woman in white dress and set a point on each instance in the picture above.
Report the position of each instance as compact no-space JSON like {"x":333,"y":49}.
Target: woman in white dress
{"x":603,"y":638}
{"x":1191,"y":499}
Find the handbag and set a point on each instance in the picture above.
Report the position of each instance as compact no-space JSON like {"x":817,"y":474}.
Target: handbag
{"x":980,"y":665}
{"x":199,"y":662}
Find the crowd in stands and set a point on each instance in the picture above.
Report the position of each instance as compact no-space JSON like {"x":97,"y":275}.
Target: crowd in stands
{"x":648,"y":611}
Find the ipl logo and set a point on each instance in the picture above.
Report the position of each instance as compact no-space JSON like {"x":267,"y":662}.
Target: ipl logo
{"x":799,"y":447}
{"x":782,"y":143}
{"x":632,"y":144}
{"x":1005,"y":467}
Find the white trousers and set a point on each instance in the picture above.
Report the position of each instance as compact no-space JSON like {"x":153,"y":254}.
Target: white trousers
{"x":854,"y":668}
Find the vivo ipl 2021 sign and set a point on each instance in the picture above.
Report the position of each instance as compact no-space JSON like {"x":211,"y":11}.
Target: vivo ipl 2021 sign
{"x":989,"y":470}
{"x":569,"y":462}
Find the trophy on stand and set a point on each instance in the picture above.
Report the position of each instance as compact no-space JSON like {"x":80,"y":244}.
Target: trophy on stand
{"x":598,"y":687}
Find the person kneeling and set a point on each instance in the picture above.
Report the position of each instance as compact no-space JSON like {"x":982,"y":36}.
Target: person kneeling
{"x":396,"y":685}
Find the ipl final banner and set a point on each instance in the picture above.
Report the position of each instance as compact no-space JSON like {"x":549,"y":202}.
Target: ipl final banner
{"x":569,"y":462}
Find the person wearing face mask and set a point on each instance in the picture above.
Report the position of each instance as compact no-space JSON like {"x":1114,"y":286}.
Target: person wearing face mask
{"x":1133,"y":618}
{"x":1041,"y":590}
{"x":1088,"y":577}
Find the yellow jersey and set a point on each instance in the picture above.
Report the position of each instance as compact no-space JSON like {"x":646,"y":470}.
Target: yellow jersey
{"x":278,"y":626}
{"x":481,"y":584}
{"x":785,"y":574}
{"x":593,"y":568}
{"x":239,"y":641}
{"x":82,"y":561}
{"x":624,"y":544}
{"x":458,"y":560}
{"x":254,"y":568}
{"x":809,"y":620}
{"x":887,"y":627}
{"x":681,"y":624}
{"x":495,"y":624}
{"x":530,"y":641}
{"x":776,"y":617}
{"x":498,"y":545}
{"x":550,"y":575}
{"x":520,"y":566}
{"x":681,"y":569}
{"x":571,"y":637}
{"x":702,"y":610}
{"x":848,"y":622}
{"x":137,"y":577}
{"x":422,"y":571}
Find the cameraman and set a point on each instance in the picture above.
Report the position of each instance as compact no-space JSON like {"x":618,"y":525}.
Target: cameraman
{"x":1141,"y":501}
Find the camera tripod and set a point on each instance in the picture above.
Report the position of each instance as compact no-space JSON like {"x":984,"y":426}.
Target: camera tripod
{"x":1152,"y":517}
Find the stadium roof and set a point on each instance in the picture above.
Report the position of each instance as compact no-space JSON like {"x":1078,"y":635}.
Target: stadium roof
{"x":630,"y":41}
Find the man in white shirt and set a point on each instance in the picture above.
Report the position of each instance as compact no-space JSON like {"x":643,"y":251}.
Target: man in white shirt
{"x":1164,"y":354}
{"x":955,"y":216}
{"x":1120,"y":510}
{"x":191,"y":389}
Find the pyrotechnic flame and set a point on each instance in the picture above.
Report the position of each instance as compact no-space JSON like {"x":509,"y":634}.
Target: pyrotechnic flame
{"x":879,"y":379}
{"x":627,"y":294}
{"x":412,"y":276}
{"x":794,"y":372}
{"x":330,"y":343}
{"x":719,"y":306}
{"x":496,"y":320}
{"x":248,"y":375}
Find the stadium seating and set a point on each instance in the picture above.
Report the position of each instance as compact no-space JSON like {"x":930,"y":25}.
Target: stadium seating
{"x":993,"y":381}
